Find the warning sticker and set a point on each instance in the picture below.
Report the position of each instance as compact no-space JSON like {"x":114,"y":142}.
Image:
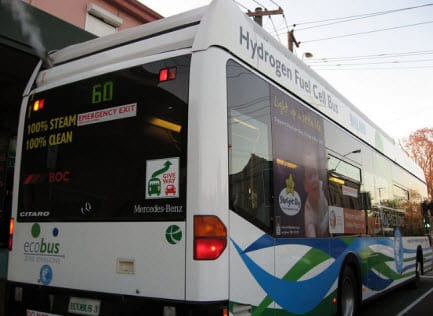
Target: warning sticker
{"x":162,"y":178}
{"x":109,"y":114}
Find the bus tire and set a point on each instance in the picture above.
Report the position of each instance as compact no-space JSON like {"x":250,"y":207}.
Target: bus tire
{"x":348,"y":297}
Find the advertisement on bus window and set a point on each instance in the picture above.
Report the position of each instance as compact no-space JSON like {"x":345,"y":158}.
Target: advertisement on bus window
{"x":346,"y":221}
{"x":301,"y":204}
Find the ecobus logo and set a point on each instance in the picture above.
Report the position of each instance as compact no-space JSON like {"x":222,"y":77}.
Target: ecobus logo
{"x":40,"y":246}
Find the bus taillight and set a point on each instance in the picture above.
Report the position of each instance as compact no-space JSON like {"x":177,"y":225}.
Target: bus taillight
{"x":225,"y":312}
{"x":210,"y":237}
{"x":11,"y":232}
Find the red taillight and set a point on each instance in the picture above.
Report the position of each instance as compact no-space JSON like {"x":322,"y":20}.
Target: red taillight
{"x":210,"y":237}
{"x":225,"y":312}
{"x":167,"y":74}
{"x":11,"y":232}
{"x":209,"y":248}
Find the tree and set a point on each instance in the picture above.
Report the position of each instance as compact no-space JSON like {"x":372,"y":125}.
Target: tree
{"x":419,"y":146}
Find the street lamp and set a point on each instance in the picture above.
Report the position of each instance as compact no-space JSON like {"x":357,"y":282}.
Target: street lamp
{"x":357,"y":151}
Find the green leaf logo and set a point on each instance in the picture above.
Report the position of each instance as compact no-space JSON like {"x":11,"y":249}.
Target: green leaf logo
{"x":173,"y":234}
{"x":36,"y":230}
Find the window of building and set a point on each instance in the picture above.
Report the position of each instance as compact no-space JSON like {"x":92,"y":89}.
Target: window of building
{"x":100,"y":21}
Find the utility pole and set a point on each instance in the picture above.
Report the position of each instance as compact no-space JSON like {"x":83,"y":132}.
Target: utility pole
{"x":259,"y":13}
{"x":258,"y":18}
{"x":292,"y":40}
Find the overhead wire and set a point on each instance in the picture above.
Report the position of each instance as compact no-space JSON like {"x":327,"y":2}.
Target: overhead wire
{"x":374,"y":68}
{"x":356,"y":17}
{"x":377,"y":63}
{"x":285,"y":21}
{"x":367,"y":32}
{"x":259,"y":4}
{"x":241,"y":5}
{"x":275,"y":30}
{"x":275,"y":3}
{"x":373,"y":56}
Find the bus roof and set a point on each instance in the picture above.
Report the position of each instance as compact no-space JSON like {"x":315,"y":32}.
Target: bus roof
{"x":223,"y":24}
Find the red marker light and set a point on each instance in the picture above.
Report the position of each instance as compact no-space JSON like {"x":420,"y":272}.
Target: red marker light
{"x":38,"y":105}
{"x":167,"y":74}
{"x":172,"y":73}
{"x":163,"y":75}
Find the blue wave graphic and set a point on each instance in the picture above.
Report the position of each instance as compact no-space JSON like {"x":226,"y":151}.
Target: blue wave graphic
{"x":409,"y":267}
{"x":286,"y":293}
{"x":376,"y":282}
{"x":332,"y":247}
{"x":265,"y":241}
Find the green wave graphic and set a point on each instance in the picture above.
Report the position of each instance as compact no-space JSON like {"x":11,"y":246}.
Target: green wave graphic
{"x":309,"y":261}
{"x":377,"y":261}
{"x":370,"y":260}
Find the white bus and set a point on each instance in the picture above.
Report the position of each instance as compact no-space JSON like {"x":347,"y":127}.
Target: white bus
{"x":193,"y":166}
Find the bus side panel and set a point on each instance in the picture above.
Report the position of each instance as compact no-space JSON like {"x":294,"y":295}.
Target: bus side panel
{"x":207,"y":170}
{"x":392,"y":262}
{"x":252,"y":265}
{"x":286,"y":276}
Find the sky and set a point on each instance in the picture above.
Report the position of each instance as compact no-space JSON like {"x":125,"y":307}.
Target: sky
{"x":387,"y":72}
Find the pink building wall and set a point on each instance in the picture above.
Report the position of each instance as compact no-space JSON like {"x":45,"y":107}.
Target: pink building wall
{"x":132,"y":12}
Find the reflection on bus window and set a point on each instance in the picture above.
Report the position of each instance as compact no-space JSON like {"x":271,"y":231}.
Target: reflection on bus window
{"x":250,"y":158}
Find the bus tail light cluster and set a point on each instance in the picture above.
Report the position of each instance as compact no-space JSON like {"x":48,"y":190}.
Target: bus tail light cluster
{"x":11,"y":232}
{"x":210,"y":237}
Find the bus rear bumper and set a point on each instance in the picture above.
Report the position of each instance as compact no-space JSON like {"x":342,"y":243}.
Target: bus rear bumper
{"x":32,"y":300}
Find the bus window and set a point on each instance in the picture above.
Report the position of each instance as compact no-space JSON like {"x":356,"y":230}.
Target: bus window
{"x":250,"y":158}
{"x":112,"y":147}
{"x":401,"y":196}
{"x":344,"y":193}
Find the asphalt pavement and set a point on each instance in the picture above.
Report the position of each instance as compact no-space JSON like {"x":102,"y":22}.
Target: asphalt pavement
{"x":404,"y":301}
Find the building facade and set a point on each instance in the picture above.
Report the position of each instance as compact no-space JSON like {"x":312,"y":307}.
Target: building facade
{"x":99,"y":17}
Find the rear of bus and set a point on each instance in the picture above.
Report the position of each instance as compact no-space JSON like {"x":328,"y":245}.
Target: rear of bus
{"x":100,"y":212}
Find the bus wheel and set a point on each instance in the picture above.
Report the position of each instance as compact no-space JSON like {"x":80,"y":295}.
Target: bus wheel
{"x":348,"y":293}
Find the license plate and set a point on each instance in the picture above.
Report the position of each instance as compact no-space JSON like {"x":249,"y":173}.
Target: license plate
{"x":84,"y":306}
{"x":30,"y":312}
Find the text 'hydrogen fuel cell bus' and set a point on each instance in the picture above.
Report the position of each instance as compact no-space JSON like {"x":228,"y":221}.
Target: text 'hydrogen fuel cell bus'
{"x":194,"y":166}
